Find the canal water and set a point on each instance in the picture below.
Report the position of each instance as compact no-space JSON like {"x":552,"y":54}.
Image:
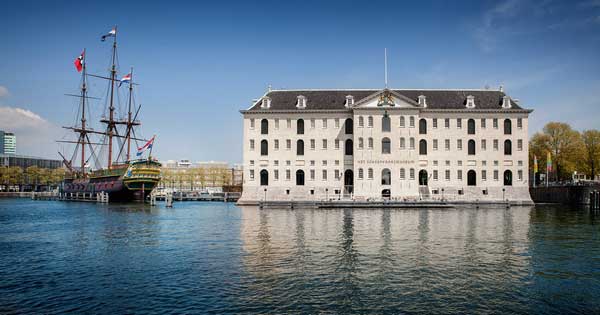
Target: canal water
{"x":218,"y":258}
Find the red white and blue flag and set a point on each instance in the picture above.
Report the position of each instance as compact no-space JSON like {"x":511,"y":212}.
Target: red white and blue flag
{"x":146,"y":146}
{"x":79,"y":61}
{"x":112,"y":33}
{"x":125,"y":79}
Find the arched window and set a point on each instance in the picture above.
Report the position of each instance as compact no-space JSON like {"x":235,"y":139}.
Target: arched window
{"x":370,"y":173}
{"x":264,"y":127}
{"x":386,"y":177}
{"x":361,"y":143}
{"x":370,"y":143}
{"x":349,"y":126}
{"x":300,"y":147}
{"x":402,"y":122}
{"x":299,"y":178}
{"x":264,"y":178}
{"x":386,"y":146}
{"x":423,"y":147}
{"x":422,"y":126}
{"x":348,"y":150}
{"x":471,"y":178}
{"x":412,"y":143}
{"x":507,"y":178}
{"x":300,"y":126}
{"x":402,"y":143}
{"x":385,"y":123}
{"x":264,"y":147}
{"x":411,"y":121}
{"x":370,"y":121}
{"x":471,"y":126}
{"x":422,"y":177}
{"x":507,"y":147}
{"x":507,"y":127}
{"x":360,"y":173}
{"x":471,"y":147}
{"x":361,"y":121}
{"x":412,"y":173}
{"x":402,"y":174}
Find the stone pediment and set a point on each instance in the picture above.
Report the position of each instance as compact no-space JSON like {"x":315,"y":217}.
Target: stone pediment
{"x":386,"y":99}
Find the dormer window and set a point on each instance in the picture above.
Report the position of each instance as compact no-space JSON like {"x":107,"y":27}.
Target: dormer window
{"x":423,"y":100}
{"x":301,"y":102}
{"x":349,"y":100}
{"x":506,"y":102}
{"x":470,"y":101}
{"x":266,"y":102}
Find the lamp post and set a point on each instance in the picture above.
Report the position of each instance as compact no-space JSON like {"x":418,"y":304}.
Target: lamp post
{"x":326,"y":194}
{"x":265,"y":195}
{"x":503,"y":190}
{"x":442,"y":194}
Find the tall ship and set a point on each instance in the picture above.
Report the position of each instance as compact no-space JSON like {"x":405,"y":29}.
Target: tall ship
{"x":102,"y":159}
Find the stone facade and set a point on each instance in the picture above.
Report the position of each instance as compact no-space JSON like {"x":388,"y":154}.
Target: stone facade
{"x":397,"y":144}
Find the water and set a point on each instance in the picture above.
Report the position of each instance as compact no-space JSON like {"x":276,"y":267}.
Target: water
{"x":218,"y":258}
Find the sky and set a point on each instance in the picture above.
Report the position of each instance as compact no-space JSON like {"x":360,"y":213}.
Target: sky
{"x":199,"y":63}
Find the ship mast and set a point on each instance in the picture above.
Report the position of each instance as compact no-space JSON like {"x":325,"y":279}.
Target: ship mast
{"x":83,"y":132}
{"x":129,"y":121}
{"x":111,"y":122}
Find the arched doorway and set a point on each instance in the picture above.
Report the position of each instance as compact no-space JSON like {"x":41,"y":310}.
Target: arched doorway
{"x":423,"y":177}
{"x":386,"y":177}
{"x":264,"y":178}
{"x":386,"y":193}
{"x":348,"y":147}
{"x":300,"y":178}
{"x":348,"y":181}
{"x":471,"y":178}
{"x":507,"y":178}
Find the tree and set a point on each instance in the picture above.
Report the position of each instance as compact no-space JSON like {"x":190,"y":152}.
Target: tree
{"x":591,"y":142}
{"x":563,"y":143}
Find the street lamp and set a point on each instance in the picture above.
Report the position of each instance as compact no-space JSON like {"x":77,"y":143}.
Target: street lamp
{"x":442,"y":194}
{"x":503,"y":190}
{"x":326,"y":194}
{"x":265,"y":195}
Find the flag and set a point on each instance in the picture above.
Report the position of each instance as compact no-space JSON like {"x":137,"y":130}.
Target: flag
{"x":146,"y":146}
{"x":125,"y":79}
{"x":79,"y":62}
{"x":112,"y":33}
{"x":535,"y":164}
{"x":549,"y":162}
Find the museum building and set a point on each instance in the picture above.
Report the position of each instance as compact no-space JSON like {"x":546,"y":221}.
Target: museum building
{"x":464,"y":145}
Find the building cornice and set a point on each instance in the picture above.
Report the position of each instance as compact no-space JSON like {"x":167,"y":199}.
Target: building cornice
{"x":299,"y":111}
{"x":420,"y":109}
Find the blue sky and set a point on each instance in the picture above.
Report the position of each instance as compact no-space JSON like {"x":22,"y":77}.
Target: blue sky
{"x":200,"y":63}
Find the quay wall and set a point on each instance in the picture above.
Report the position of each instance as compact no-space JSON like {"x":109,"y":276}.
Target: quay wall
{"x":571,"y":194}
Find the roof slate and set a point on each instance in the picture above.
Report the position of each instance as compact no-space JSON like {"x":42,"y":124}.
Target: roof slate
{"x":335,"y":99}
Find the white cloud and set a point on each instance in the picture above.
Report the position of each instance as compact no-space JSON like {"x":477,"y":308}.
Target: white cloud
{"x":3,"y":91}
{"x":35,"y":135}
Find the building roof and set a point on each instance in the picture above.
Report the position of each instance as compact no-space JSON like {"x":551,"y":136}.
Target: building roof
{"x":285,"y":100}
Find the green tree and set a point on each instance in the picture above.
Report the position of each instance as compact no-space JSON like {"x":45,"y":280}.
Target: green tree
{"x":591,"y":143}
{"x":563,"y":143}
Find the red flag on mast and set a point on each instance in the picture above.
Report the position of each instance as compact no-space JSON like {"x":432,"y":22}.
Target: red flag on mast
{"x":79,"y":62}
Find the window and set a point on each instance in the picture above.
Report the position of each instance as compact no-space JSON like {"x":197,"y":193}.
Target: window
{"x":507,"y":147}
{"x":312,"y":162}
{"x":483,"y":145}
{"x":402,"y":174}
{"x":312,"y":123}
{"x":312,"y":144}
{"x":370,"y":122}
{"x":520,"y":123}
{"x":422,"y":147}
{"x":324,"y":162}
{"x":386,"y":146}
{"x":361,"y":121}
{"x":458,"y":123}
{"x":402,"y":143}
{"x":251,"y":162}
{"x":251,"y":144}
{"x":459,"y":174}
{"x":276,"y":162}
{"x":252,"y":123}
{"x":324,"y":123}
{"x":288,"y":174}
{"x":402,"y":122}
{"x":264,"y":127}
{"x":520,"y":175}
{"x":264,"y":178}
{"x":435,"y":175}
{"x":251,"y":174}
{"x":412,"y":173}
{"x":411,"y":121}
{"x":412,"y":143}
{"x":264,"y":147}
{"x":348,"y":126}
{"x":312,"y":174}
{"x":495,"y":144}
{"x":385,"y":123}
{"x":422,"y":126}
{"x":520,"y":145}
{"x":348,"y":150}
{"x":471,"y":126}
{"x":483,"y":123}
{"x":447,"y":123}
{"x":299,"y":178}
{"x":276,"y":174}
{"x":370,"y":173}
{"x":507,"y":127}
{"x":276,"y":123}
{"x":434,"y":122}
{"x":495,"y":174}
{"x":370,"y":143}
{"x":324,"y":144}
{"x":471,"y":146}
{"x":495,"y":123}
{"x":300,"y":147}
{"x":447,"y":144}
{"x":276,"y":144}
{"x":337,"y":144}
{"x":447,"y":175}
{"x":360,"y":173}
{"x":484,"y":175}
{"x":459,"y":144}
{"x":337,"y":123}
{"x":336,"y":174}
{"x":386,"y":177}
{"x":324,"y":177}
{"x":360,"y":143}
{"x":435,"y":144}
{"x":300,"y":126}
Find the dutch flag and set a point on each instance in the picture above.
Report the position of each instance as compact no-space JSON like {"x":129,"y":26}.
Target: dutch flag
{"x":146,"y":146}
{"x":125,"y":79}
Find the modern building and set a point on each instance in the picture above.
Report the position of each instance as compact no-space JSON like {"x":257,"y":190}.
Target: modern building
{"x":463,"y":145}
{"x":23,"y":161}
{"x":8,"y":143}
